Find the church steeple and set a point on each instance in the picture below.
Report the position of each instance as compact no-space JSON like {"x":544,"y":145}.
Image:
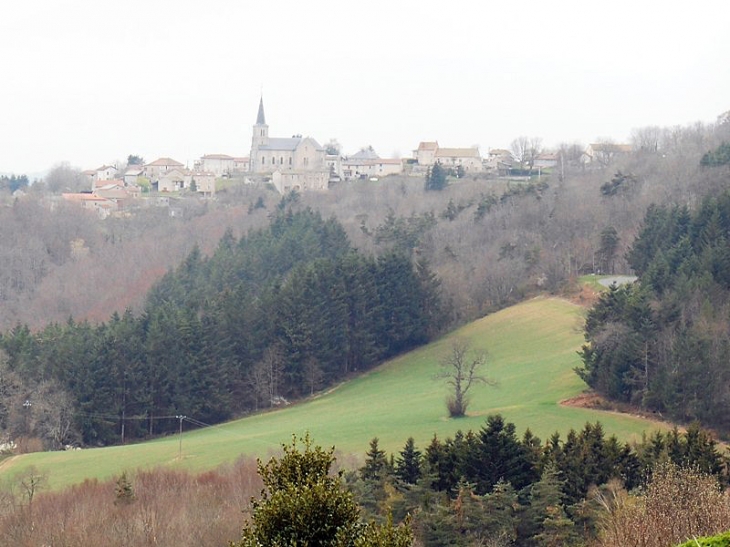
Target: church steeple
{"x":261,"y":119}
{"x":260,"y":139}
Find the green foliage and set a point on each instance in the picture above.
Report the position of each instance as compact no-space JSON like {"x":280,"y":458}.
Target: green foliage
{"x":654,"y":344}
{"x":280,"y":313}
{"x":409,"y":462}
{"x":13,"y":182}
{"x":720,"y":540}
{"x":436,"y":177}
{"x":123,"y":490}
{"x":484,"y":205}
{"x":620,"y":184}
{"x":717,"y":157}
{"x":404,"y":235}
{"x":304,"y":504}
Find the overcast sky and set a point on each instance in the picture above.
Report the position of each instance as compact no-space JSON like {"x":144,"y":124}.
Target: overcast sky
{"x":91,"y":81}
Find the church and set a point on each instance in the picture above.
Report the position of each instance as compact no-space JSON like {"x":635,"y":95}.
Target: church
{"x":294,"y":163}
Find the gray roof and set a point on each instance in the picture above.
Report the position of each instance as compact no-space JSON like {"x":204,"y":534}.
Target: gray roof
{"x":261,"y":119}
{"x":281,"y":144}
{"x":365,"y":154}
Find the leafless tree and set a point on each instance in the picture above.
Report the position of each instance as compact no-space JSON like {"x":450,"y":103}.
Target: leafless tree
{"x":525,"y":150}
{"x":461,"y":368}
{"x":64,"y":178}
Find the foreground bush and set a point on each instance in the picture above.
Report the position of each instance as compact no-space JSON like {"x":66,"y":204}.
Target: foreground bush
{"x":722,"y":540}
{"x":677,"y":505}
{"x":304,"y":504}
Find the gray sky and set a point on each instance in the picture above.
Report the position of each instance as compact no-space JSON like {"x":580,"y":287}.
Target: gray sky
{"x":91,"y":81}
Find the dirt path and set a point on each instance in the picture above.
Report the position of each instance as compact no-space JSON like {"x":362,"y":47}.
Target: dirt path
{"x":618,"y":280}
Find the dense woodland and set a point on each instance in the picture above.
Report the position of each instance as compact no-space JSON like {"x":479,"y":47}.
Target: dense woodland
{"x":278,"y":314}
{"x":664,"y":343}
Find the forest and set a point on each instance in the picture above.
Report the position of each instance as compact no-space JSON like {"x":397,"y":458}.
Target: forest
{"x":278,"y":314}
{"x":664,"y":343}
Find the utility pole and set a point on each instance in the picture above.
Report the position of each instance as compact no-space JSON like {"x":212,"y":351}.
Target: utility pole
{"x":181,"y":418}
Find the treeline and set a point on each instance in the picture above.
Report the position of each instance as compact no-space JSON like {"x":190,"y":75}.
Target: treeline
{"x":486,"y":487}
{"x":279,"y":313}
{"x":492,"y":486}
{"x":664,"y":343}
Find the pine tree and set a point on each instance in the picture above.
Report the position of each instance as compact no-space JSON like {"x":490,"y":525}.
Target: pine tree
{"x":408,"y":464}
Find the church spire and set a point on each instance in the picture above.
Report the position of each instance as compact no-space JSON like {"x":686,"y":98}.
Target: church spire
{"x":261,"y":119}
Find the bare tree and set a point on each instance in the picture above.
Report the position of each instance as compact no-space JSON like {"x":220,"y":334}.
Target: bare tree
{"x":525,"y":151}
{"x":461,"y":369}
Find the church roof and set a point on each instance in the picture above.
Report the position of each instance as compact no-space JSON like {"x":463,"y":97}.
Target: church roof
{"x":281,"y":144}
{"x":261,"y":119}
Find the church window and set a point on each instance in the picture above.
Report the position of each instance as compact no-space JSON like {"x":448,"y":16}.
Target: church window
{"x":263,"y":160}
{"x":289,"y":160}
{"x":281,"y":160}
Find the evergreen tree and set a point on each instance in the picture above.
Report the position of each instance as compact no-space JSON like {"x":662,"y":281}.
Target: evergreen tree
{"x":376,"y":464}
{"x":408,"y":464}
{"x":436,"y":177}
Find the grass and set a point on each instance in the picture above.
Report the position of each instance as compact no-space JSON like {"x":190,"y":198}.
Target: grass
{"x":531,"y":353}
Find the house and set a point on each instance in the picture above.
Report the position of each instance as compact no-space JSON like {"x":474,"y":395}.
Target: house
{"x":292,"y":157}
{"x":98,"y":183}
{"x":466,"y":158}
{"x":121,"y":195}
{"x":241,"y":165}
{"x":218,"y":164}
{"x":132,"y":175}
{"x":204,"y":182}
{"x":183,"y":179}
{"x":105,"y":172}
{"x":161,"y":166}
{"x":603,"y":154}
{"x":498,"y":161}
{"x":366,"y":164}
{"x":90,"y":202}
{"x":429,"y":152}
{"x":546,"y":160}
{"x":426,"y":153}
{"x":173,"y":180}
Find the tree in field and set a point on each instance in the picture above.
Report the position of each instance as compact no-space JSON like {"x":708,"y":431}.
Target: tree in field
{"x":304,"y":504}
{"x":461,"y":369}
{"x":436,"y":178}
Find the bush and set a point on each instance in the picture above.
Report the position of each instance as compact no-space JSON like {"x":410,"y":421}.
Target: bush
{"x":722,"y":540}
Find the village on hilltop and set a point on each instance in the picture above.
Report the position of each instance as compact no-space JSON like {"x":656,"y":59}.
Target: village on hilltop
{"x":299,"y":163}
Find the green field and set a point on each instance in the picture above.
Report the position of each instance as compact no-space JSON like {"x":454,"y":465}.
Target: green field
{"x":531,"y":353}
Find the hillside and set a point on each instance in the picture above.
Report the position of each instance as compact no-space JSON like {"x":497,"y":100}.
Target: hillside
{"x":532,"y":352}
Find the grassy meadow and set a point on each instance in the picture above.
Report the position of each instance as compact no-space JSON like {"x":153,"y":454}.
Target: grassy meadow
{"x":531,"y":351}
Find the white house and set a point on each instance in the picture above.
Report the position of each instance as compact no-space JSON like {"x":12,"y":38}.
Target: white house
{"x":219,"y":164}
{"x":429,"y":153}
{"x":366,"y":163}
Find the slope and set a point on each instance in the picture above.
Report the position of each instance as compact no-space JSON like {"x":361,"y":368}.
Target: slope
{"x":531,"y":352}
